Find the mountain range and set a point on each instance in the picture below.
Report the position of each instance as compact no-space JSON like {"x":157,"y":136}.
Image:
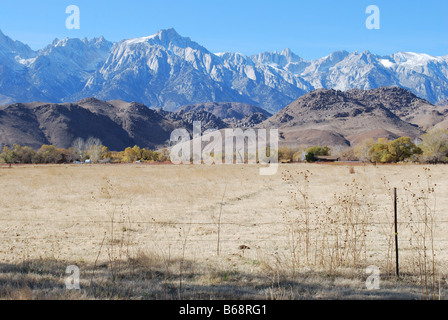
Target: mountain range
{"x":118,"y":124}
{"x":345,"y":118}
{"x":321,"y":117}
{"x":167,"y":70}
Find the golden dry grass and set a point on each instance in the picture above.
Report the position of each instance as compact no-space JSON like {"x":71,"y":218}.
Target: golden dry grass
{"x":142,"y":231}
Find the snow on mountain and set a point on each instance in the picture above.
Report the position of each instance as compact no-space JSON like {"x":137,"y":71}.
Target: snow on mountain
{"x":387,"y":63}
{"x":15,"y":50}
{"x":14,"y":58}
{"x":62,"y":68}
{"x":169,"y":70}
{"x":51,"y":74}
{"x":424,"y":75}
{"x":163,"y":70}
{"x":86,"y":54}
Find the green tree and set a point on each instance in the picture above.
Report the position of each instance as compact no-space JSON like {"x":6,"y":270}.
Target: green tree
{"x":319,"y":151}
{"x":310,"y":157}
{"x":8,"y":156}
{"x":379,"y":152}
{"x":386,"y":151}
{"x":402,"y":149}
{"x":24,"y":154}
{"x":316,"y":151}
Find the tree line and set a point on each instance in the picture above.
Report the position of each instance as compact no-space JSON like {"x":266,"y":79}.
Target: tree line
{"x":90,"y":150}
{"x":432,"y":147}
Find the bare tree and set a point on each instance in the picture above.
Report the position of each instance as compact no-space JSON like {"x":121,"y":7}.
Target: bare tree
{"x":79,"y":147}
{"x":95,"y":149}
{"x":362,"y":150}
{"x":92,"y":148}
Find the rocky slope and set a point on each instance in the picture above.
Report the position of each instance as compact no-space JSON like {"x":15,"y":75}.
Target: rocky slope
{"x":344,"y":118}
{"x":117,"y":125}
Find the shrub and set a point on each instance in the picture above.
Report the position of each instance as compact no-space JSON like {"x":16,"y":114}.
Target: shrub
{"x":285,"y":154}
{"x":313,"y":152}
{"x":434,"y":146}
{"x":310,"y":157}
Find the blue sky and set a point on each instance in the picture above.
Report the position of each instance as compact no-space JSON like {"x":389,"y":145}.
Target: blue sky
{"x":312,"y":29}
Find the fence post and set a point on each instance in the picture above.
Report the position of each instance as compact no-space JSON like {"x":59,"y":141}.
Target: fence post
{"x":396,"y":233}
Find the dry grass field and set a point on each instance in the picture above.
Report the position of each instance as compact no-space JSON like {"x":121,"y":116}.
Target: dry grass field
{"x":222,"y":232}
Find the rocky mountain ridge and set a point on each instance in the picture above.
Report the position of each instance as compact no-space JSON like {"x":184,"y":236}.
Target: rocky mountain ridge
{"x":170,"y":71}
{"x":321,"y":117}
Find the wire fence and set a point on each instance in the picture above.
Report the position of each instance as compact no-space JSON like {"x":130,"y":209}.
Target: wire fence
{"x":274,"y":237}
{"x":162,"y":223}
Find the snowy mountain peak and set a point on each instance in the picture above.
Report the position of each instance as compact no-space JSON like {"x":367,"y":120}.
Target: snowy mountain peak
{"x":286,"y":52}
{"x":291,"y":56}
{"x":168,"y":34}
{"x":413,"y":59}
{"x":77,"y":43}
{"x":163,"y":37}
{"x":159,"y":35}
{"x":168,"y":70}
{"x":100,"y":40}
{"x":277,"y":59}
{"x":14,"y":49}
